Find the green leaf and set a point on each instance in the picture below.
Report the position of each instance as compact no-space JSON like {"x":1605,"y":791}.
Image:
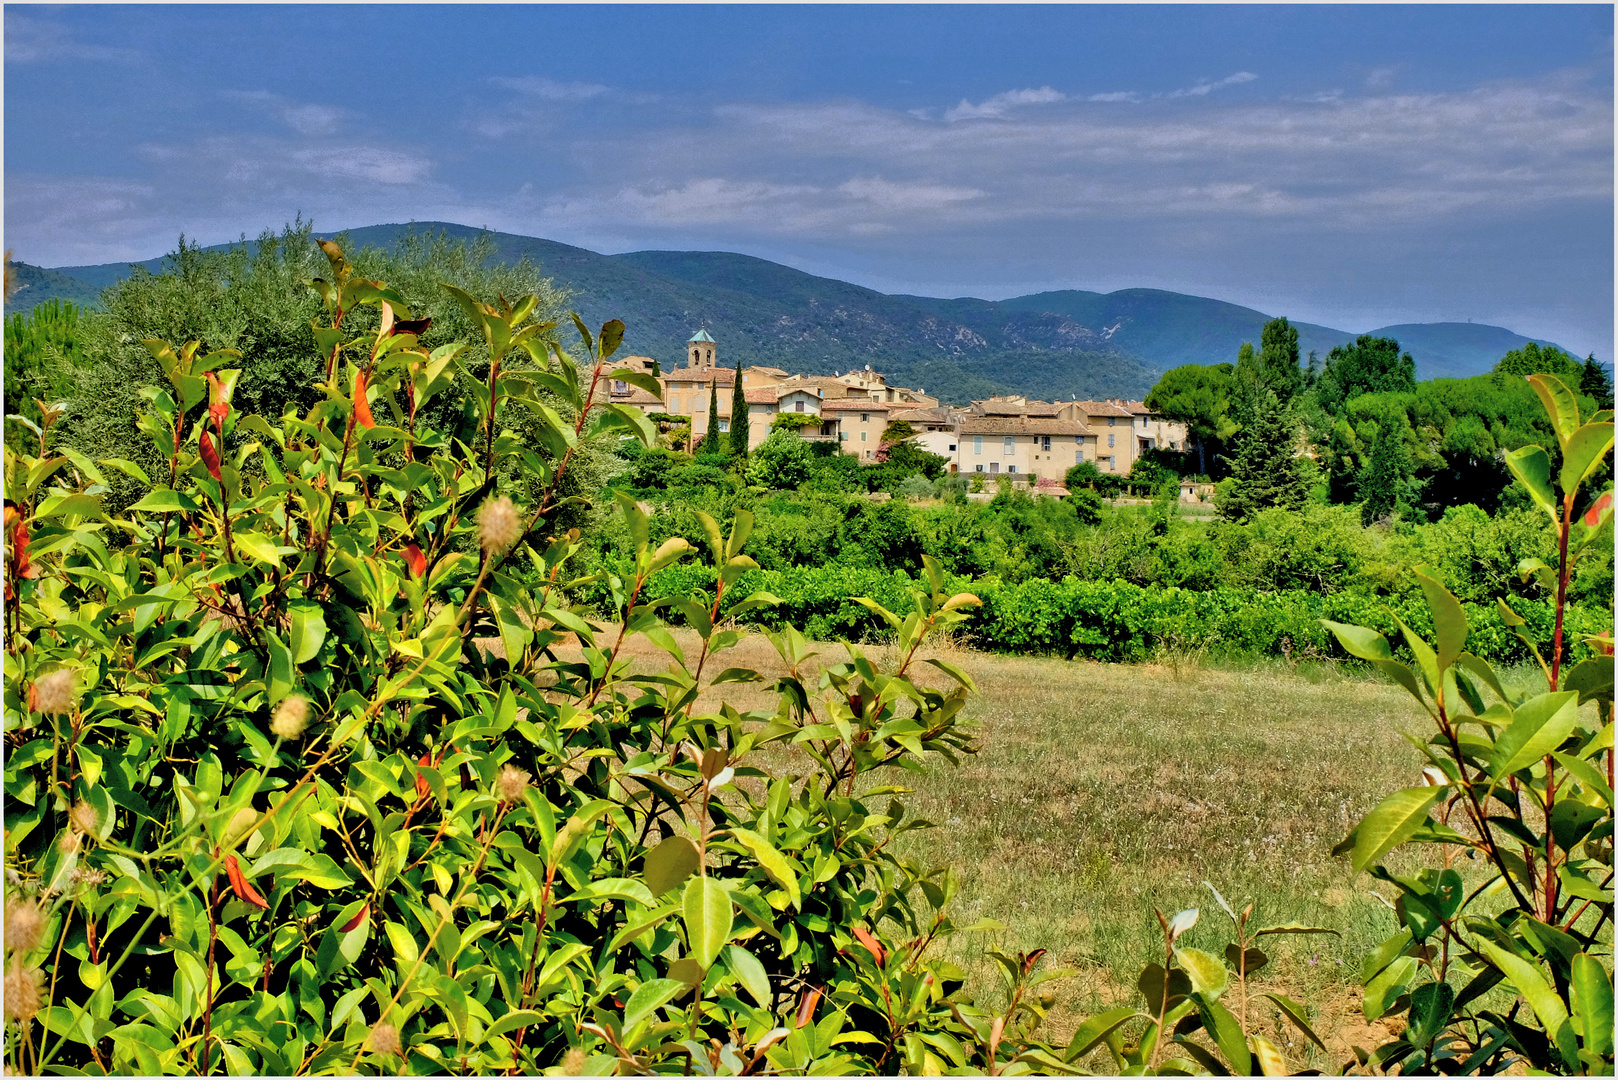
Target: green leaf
{"x":516,"y":1018}
{"x":1538,"y":726}
{"x":257,"y":547}
{"x":1297,"y":1014}
{"x":612,"y":335}
{"x":1227,"y":1034}
{"x":1092,"y":1031}
{"x":1539,"y":994}
{"x":669,"y":864}
{"x":1359,"y":641}
{"x":649,"y":997}
{"x":776,"y":865}
{"x":1591,"y":993}
{"x":1532,"y":468}
{"x":1391,"y":824}
{"x":1584,"y":453}
{"x":1449,"y":619}
{"x":1560,"y":404}
{"x":308,"y":630}
{"x":1430,"y":1007}
{"x":164,"y":500}
{"x":749,"y":972}
{"x":707,"y":919}
{"x":1382,"y":991}
{"x":1208,"y":973}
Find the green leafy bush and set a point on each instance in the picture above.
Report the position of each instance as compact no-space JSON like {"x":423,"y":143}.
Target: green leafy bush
{"x":1521,"y":896}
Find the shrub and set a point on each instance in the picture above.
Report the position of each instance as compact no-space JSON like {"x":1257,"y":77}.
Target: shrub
{"x":1528,"y":781}
{"x":915,"y":487}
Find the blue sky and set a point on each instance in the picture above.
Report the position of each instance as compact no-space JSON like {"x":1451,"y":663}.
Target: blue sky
{"x":1356,"y":166}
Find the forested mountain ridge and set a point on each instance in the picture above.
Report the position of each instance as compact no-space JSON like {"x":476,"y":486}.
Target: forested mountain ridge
{"x":1051,"y":345}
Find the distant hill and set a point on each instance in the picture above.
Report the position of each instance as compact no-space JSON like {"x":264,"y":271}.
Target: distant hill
{"x":35,"y":285}
{"x":1053,"y":344}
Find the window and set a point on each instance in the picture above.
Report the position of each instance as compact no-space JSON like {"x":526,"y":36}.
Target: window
{"x":619,"y":386}
{"x":842,"y":436}
{"x":1045,"y":443}
{"x":1111,"y":420}
{"x":1011,"y":444}
{"x":798,"y":407}
{"x":977,"y":447}
{"x":862,"y":436}
{"x":768,"y":409}
{"x":980,"y":468}
{"x":952,"y":448}
{"x":865,"y":418}
{"x":1011,"y":468}
{"x":994,"y":466}
{"x":724,"y":425}
{"x":1110,"y":440}
{"x":1078,"y":456}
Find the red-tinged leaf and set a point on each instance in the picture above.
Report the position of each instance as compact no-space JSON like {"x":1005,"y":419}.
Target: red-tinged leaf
{"x":359,"y":917}
{"x":210,"y":456}
{"x":422,"y":790}
{"x":1592,"y":516}
{"x":25,"y":567}
{"x":362,"y":406}
{"x":241,"y":886}
{"x":872,"y":945}
{"x":415,"y":327}
{"x":806,"y":1011}
{"x":218,"y":407}
{"x":418,"y":566}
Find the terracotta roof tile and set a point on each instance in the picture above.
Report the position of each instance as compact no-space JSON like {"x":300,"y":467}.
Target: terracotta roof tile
{"x":1018,"y":425}
{"x":1102,"y":408}
{"x":855,"y":405}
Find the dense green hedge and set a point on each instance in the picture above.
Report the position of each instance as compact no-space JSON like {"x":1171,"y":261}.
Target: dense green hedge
{"x":1111,"y":620}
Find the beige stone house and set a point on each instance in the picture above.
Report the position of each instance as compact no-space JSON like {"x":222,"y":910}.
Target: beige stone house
{"x":1116,"y":447}
{"x":1025,"y":447}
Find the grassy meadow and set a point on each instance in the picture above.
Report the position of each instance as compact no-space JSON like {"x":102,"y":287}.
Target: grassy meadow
{"x":1101,"y":791}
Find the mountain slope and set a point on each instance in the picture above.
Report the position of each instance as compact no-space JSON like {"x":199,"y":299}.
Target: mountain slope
{"x":1051,"y":344}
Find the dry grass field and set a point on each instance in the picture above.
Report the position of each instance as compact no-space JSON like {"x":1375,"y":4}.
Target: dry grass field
{"x":1102,"y":791}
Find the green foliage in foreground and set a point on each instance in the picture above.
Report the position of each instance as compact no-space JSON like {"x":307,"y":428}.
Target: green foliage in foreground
{"x":274,"y":808}
{"x":1521,"y":786}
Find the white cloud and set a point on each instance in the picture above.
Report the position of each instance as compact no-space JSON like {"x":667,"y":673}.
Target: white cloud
{"x":550,"y":89}
{"x":368,"y":163}
{"x":1203,"y":88}
{"x":1000,"y":104}
{"x":890,"y":196}
{"x":1116,"y":95}
{"x":32,"y":40}
{"x":305,"y":119}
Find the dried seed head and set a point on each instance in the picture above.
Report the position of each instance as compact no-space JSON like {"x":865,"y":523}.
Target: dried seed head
{"x":573,"y":1062}
{"x":291,"y":717}
{"x":24,"y":924}
{"x":384,"y":1039}
{"x":83,"y":818}
{"x":498,"y":525}
{"x":510,"y":784}
{"x":57,"y":692}
{"x":87,"y":878}
{"x":68,"y":842}
{"x":22,"y":992}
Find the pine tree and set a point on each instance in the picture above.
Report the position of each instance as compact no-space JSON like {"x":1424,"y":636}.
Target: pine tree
{"x":1265,"y":473}
{"x":1595,"y":382}
{"x":1386,"y":473}
{"x":1278,"y":359}
{"x":739,"y":422}
{"x":710,"y":441}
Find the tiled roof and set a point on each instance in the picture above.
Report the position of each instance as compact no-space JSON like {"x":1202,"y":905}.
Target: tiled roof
{"x":702,"y":335}
{"x":769,"y":395}
{"x":1012,"y":408}
{"x":1102,"y":408}
{"x":724,"y":376}
{"x":1018,"y":425}
{"x":922,"y":416}
{"x":634,"y":395}
{"x":854,"y":405}
{"x":1138,"y":408}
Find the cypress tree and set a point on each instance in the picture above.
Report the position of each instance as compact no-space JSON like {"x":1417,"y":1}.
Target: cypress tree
{"x":1386,"y":472}
{"x":1265,"y":472}
{"x":739,"y":423}
{"x":710,"y":441}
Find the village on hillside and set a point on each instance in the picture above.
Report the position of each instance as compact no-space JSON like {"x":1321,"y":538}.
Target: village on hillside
{"x":1025,"y":440}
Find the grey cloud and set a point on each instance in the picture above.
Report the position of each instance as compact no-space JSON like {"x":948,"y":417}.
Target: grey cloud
{"x":303,"y":118}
